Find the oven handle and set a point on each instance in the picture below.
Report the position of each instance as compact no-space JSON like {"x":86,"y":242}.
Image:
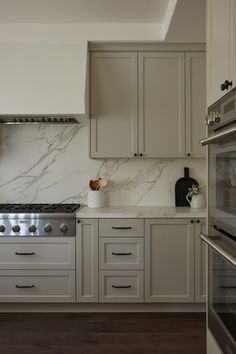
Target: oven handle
{"x":210,"y":242}
{"x":218,"y":137}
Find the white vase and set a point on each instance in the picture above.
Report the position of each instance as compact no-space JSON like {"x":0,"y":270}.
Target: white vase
{"x":96,"y":199}
{"x":197,"y":201}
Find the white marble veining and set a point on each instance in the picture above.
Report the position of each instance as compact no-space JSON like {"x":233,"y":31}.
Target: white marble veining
{"x":50,"y":163}
{"x":141,"y":212}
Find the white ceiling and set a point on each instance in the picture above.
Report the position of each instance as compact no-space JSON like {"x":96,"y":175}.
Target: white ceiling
{"x":83,"y":11}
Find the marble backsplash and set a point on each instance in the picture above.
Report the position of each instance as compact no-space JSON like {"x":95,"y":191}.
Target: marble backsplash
{"x":49,"y":163}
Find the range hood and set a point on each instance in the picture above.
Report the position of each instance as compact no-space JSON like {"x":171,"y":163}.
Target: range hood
{"x":44,"y":82}
{"x":39,"y":119}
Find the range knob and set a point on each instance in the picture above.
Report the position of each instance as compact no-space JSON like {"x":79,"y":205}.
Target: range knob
{"x":64,"y":228}
{"x":2,"y":228}
{"x":16,"y":228}
{"x":48,"y":228}
{"x":32,"y":228}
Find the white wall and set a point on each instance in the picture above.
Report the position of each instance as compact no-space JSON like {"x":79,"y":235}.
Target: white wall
{"x":49,"y":163}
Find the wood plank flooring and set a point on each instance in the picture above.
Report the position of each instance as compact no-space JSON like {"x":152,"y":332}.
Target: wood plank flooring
{"x":103,"y":333}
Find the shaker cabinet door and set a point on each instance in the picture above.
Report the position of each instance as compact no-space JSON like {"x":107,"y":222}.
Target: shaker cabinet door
{"x":169,"y":260}
{"x":195,"y":103}
{"x":218,"y":48}
{"x":113,"y":105}
{"x":161,"y":104}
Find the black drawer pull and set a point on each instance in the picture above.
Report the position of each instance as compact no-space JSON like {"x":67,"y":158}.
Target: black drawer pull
{"x":121,"y":253}
{"x":121,"y":227}
{"x":122,"y":286}
{"x":228,"y":287}
{"x":25,"y":286}
{"x":24,"y":253}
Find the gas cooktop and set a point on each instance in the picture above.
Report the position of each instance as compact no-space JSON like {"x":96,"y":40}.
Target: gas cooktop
{"x":38,"y":208}
{"x":38,"y":219}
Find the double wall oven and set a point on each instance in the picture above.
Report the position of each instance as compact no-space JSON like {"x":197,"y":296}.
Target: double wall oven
{"x":221,"y":234}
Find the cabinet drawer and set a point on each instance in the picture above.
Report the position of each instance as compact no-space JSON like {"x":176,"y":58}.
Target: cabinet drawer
{"x":120,"y":253}
{"x":37,"y":286}
{"x":37,"y":253}
{"x":121,"y":286}
{"x":121,"y":227}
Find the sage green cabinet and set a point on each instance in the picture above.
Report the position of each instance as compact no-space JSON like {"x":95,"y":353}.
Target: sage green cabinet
{"x":161,"y":104}
{"x":200,"y":262}
{"x":113,"y":126}
{"x":87,"y":260}
{"x":195,"y":68}
{"x":169,"y":260}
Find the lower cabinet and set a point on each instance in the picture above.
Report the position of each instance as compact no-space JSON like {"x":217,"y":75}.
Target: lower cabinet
{"x":37,"y":286}
{"x":37,"y":269}
{"x":200,"y":262}
{"x":87,"y":260}
{"x":121,"y":286}
{"x":169,"y":260}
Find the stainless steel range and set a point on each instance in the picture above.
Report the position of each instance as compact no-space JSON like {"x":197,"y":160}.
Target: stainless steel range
{"x":37,"y":219}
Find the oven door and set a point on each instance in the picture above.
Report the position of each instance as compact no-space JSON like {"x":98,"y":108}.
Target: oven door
{"x":222,"y":179}
{"x":222,"y":301}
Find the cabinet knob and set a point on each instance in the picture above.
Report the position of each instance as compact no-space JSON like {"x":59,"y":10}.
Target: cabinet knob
{"x":226,"y":85}
{"x":192,"y":221}
{"x":198,"y":221}
{"x":188,"y":154}
{"x":141,"y":155}
{"x":135,"y":154}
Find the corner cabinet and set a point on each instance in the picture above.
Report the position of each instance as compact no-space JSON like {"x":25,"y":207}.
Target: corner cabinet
{"x":147,"y":104}
{"x":169,"y":260}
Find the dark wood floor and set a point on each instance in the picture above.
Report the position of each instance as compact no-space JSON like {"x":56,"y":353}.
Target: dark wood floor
{"x":119,"y":333}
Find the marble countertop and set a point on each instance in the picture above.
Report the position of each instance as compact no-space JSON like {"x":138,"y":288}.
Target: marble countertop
{"x":141,"y":212}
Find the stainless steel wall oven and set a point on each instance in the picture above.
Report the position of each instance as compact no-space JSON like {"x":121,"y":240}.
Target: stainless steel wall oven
{"x":221,"y":234}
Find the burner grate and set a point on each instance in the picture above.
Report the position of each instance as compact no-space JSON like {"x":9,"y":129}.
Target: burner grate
{"x":38,"y":208}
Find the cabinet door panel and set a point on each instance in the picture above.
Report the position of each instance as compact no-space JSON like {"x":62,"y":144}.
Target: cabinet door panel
{"x":113,"y":105}
{"x":200,"y":263}
{"x":218,"y":56}
{"x":161,"y":104}
{"x":195,"y":103}
{"x":169,"y":260}
{"x":87,"y":260}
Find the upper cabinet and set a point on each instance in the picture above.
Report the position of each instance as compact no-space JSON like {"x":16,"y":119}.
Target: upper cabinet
{"x":113,"y":105}
{"x":218,"y":44}
{"x":161,"y":104}
{"x":195,"y":102}
{"x":221,"y":48}
{"x":147,"y":104}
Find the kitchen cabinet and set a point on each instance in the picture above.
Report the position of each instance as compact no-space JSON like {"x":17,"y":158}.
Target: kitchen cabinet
{"x":161,"y":104}
{"x":139,"y":104}
{"x":87,"y":260}
{"x":113,"y":105}
{"x":200,"y":261}
{"x":195,"y":69}
{"x":169,"y":260}
{"x":221,"y":46}
{"x":37,"y":269}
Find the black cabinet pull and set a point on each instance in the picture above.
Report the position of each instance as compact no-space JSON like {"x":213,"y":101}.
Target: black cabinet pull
{"x":24,"y":286}
{"x":140,"y":154}
{"x":24,"y":253}
{"x":78,"y":221}
{"x":135,"y":154}
{"x":121,"y":227}
{"x":226,"y":85}
{"x":121,"y":286}
{"x":198,"y":221}
{"x":192,"y":221}
{"x":121,"y":253}
{"x":188,"y":154}
{"x":227,"y":287}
